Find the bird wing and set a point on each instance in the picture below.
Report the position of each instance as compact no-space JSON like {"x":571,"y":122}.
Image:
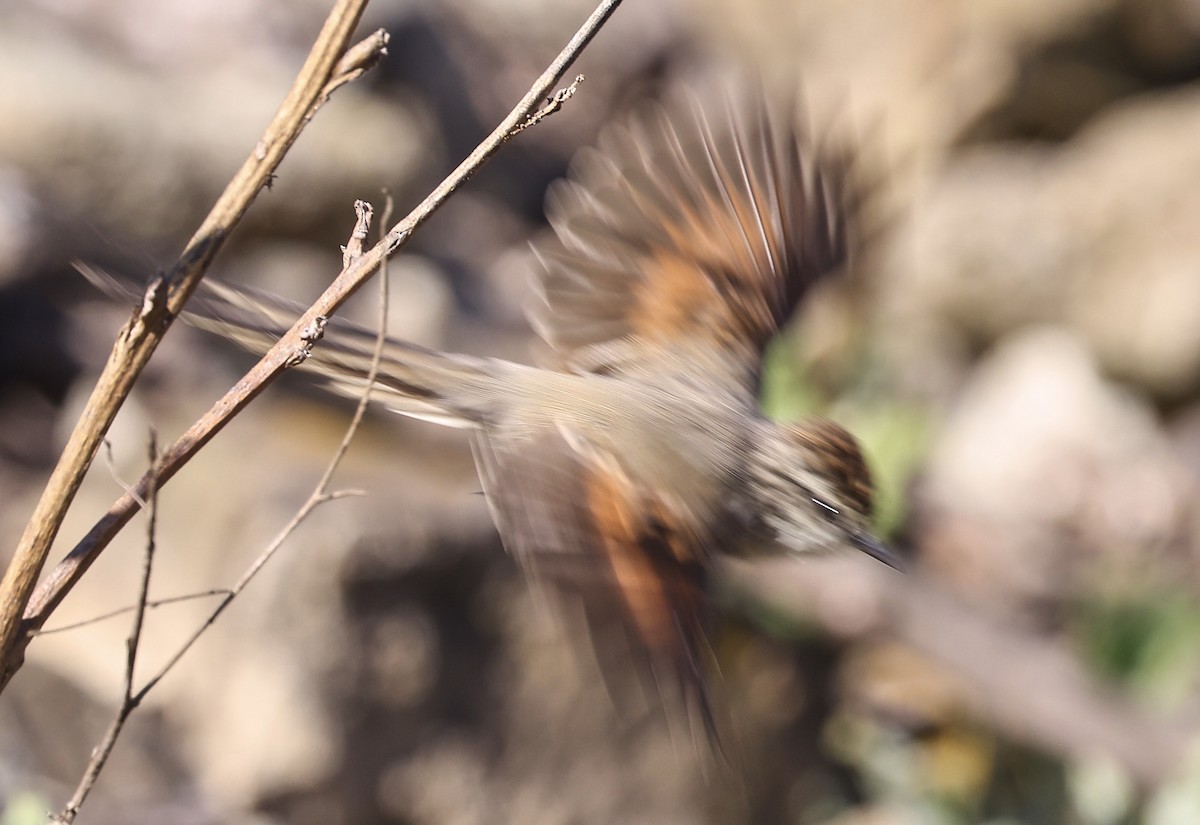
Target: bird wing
{"x":690,"y":234}
{"x":587,"y":532}
{"x":445,"y":388}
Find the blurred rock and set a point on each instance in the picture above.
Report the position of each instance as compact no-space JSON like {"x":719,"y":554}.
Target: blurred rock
{"x":1132,"y":188}
{"x":1043,"y":472}
{"x":982,"y":252}
{"x":16,"y":218}
{"x":1095,"y":234}
{"x":147,"y":31}
{"x":1164,"y":35}
{"x":143,"y":155}
{"x":906,"y":98}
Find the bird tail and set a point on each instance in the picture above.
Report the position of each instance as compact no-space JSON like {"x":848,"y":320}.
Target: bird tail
{"x":448,"y":389}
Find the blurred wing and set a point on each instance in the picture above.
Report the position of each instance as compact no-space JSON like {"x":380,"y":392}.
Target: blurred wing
{"x":452,"y":390}
{"x":445,"y":388}
{"x":691,"y":233}
{"x":577,"y":523}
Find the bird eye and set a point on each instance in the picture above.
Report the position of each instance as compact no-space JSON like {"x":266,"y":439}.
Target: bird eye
{"x":828,"y":510}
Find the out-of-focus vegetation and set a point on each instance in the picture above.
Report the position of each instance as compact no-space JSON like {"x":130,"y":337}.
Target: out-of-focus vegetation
{"x":1017,"y":345}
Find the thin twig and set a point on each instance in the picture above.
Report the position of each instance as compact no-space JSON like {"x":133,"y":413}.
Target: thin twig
{"x":140,"y":336}
{"x":111,"y":463}
{"x":355,"y":62}
{"x":321,"y":492}
{"x":63,"y":577}
{"x":152,"y":604}
{"x":353,"y":250}
{"x":555,"y":103}
{"x":129,"y":701}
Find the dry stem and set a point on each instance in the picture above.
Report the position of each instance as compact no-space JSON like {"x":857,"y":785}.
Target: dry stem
{"x":328,"y":65}
{"x":321,"y":492}
{"x":295,"y":344}
{"x":129,"y":701}
{"x":320,"y":495}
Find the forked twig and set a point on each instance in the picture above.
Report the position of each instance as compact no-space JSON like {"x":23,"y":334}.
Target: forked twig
{"x":326,"y":64}
{"x":129,"y":700}
{"x":555,"y":103}
{"x":321,"y":492}
{"x":151,"y":604}
{"x":298,"y":339}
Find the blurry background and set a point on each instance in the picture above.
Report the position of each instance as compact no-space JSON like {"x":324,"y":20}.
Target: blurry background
{"x":1017,"y":344}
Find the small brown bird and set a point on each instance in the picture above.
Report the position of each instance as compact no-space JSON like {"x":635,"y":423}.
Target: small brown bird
{"x":683,"y":244}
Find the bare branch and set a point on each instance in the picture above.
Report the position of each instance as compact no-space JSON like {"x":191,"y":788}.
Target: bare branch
{"x":352,"y":251}
{"x":555,"y":103}
{"x":320,"y":493}
{"x":121,"y":611}
{"x":294,"y":343}
{"x":140,"y":336}
{"x":129,"y":702}
{"x":355,"y":62}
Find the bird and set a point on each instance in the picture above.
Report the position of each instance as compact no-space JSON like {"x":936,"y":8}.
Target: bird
{"x":636,"y":452}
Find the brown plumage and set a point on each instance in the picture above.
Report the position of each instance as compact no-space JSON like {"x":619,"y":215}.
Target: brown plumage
{"x":682,"y":245}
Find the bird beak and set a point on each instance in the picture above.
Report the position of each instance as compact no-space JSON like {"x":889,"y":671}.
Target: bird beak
{"x":876,"y":549}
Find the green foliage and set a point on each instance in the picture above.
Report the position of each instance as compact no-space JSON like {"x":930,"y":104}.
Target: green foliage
{"x":894,"y":434}
{"x":25,"y":808}
{"x":787,"y":394}
{"x":1144,"y":641}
